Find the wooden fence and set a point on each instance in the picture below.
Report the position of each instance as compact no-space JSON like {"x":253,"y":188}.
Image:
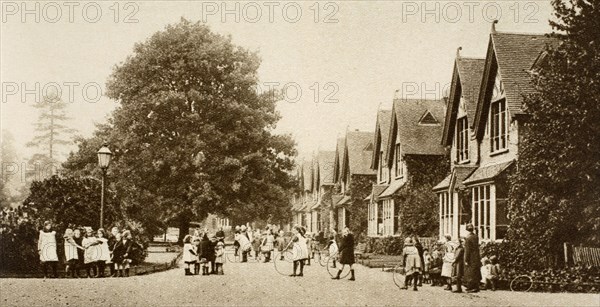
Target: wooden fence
{"x":586,"y":256}
{"x":429,"y":242}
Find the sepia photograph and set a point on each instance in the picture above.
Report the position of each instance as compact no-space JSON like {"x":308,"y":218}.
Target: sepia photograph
{"x":300,"y":153}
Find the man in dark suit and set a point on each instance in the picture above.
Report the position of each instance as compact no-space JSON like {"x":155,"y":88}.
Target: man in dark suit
{"x":472,"y":261}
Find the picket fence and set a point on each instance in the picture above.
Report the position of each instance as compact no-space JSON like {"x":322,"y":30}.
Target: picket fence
{"x":586,"y":256}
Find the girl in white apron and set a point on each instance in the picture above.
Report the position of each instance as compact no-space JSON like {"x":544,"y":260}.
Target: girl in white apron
{"x":104,"y":256}
{"x":448,"y":261}
{"x":47,"y":249}
{"x":71,"y":254}
{"x":92,"y":252}
{"x":299,"y":250}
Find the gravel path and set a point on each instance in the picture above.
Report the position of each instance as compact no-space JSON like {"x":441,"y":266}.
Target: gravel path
{"x":258,"y":284}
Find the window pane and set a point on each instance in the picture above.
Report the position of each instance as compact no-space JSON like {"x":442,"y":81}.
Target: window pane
{"x":476,"y":206}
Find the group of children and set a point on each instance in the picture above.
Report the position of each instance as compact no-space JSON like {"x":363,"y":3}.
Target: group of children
{"x":490,"y":270}
{"x":433,"y":268}
{"x":208,"y":252}
{"x":205,"y":252}
{"x":86,"y":249}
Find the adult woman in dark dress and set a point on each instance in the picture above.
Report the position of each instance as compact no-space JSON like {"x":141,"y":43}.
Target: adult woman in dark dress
{"x":346,"y":252}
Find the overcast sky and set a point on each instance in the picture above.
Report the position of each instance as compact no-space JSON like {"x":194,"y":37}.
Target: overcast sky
{"x":358,"y":52}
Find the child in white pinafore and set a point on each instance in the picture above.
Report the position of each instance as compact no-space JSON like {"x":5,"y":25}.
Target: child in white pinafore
{"x":92,"y":252}
{"x":333,"y":249}
{"x":47,"y":249}
{"x":189,"y":254}
{"x":104,"y":256}
{"x":71,"y":254}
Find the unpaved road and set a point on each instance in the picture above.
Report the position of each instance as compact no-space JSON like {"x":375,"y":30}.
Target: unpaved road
{"x":259,"y":284}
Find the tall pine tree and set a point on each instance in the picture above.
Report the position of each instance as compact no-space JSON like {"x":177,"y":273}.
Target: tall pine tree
{"x":51,"y":133}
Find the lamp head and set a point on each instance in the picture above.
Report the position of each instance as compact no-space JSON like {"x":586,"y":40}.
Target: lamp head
{"x":104,"y":156}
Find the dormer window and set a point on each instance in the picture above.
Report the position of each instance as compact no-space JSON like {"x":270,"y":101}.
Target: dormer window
{"x":498,"y":126}
{"x":428,"y":119}
{"x":462,"y":140}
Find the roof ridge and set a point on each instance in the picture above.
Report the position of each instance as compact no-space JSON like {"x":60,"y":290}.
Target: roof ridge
{"x":418,"y":99}
{"x":521,"y":33}
{"x":470,"y":58}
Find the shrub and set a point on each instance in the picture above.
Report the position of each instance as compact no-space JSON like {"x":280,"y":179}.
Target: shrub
{"x":551,"y":279}
{"x":18,"y":246}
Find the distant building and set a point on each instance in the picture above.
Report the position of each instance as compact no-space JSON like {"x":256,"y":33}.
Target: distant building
{"x":379,"y":163}
{"x":415,"y":126}
{"x":353,"y":160}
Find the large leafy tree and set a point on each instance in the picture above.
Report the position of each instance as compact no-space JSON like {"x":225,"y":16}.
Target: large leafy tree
{"x":192,"y":136}
{"x":555,"y":196}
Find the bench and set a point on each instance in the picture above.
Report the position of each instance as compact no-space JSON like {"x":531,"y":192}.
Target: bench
{"x":359,"y":251}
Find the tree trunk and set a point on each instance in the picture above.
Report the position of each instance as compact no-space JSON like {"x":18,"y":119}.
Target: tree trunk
{"x":184,"y":227}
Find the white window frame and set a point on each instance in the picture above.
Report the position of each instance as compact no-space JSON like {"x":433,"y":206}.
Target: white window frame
{"x":446,"y":214}
{"x":462,"y":140}
{"x":498,"y":126}
{"x":398,"y":164}
{"x":387,"y":218}
{"x":483,"y":217}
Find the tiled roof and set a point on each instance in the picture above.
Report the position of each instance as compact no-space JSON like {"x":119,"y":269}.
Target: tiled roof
{"x":443,"y":185}
{"x":377,"y":190}
{"x":359,"y":158}
{"x":316,"y":206}
{"x":298,"y":204}
{"x":339,"y":157}
{"x":308,"y":206}
{"x":335,"y":199}
{"x":391,"y":189}
{"x":470,"y":71}
{"x":456,"y":177}
{"x":382,"y":128}
{"x":315,"y":173}
{"x":460,"y":173}
{"x":343,"y":201}
{"x":302,"y":208}
{"x":514,"y":54}
{"x":307,"y":175}
{"x":326,"y":159}
{"x":297,"y":173}
{"x":295,"y":207}
{"x":416,"y":138}
{"x":487,"y":172}
{"x":467,"y":71}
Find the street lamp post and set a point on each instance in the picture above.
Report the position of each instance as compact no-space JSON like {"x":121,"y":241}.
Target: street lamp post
{"x":104,"y":156}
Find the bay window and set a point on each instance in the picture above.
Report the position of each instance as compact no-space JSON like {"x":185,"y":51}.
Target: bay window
{"x":446,"y":214}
